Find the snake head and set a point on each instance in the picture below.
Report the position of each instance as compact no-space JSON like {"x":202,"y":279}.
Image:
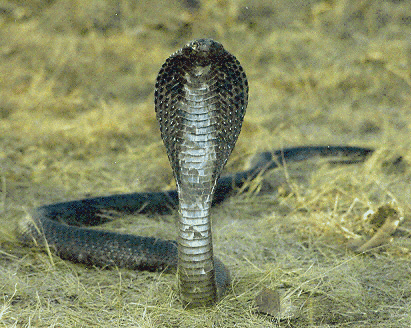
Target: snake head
{"x":203,"y":52}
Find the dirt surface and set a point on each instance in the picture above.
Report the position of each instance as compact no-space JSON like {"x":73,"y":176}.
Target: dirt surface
{"x":77,"y":120}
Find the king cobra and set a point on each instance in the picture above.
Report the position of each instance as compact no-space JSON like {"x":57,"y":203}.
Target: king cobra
{"x":200,"y":100}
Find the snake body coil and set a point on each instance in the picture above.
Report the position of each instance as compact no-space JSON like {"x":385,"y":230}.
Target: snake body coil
{"x":200,"y":98}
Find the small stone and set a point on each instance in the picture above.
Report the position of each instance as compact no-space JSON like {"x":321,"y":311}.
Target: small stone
{"x":268,"y":302}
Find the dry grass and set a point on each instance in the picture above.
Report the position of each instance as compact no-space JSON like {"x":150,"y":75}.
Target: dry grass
{"x":77,"y":119}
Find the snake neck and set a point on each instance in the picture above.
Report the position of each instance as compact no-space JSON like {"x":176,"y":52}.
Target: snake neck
{"x":197,"y":176}
{"x":200,"y":100}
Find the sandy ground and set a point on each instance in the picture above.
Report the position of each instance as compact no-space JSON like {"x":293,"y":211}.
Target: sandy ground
{"x":77,"y":120}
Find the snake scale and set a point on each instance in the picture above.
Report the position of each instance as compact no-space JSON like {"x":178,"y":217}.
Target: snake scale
{"x":200,"y":100}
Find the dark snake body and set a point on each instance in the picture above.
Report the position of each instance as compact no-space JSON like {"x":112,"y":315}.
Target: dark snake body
{"x":59,"y":225}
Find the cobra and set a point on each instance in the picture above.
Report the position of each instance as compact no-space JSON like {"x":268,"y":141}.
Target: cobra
{"x":200,"y":101}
